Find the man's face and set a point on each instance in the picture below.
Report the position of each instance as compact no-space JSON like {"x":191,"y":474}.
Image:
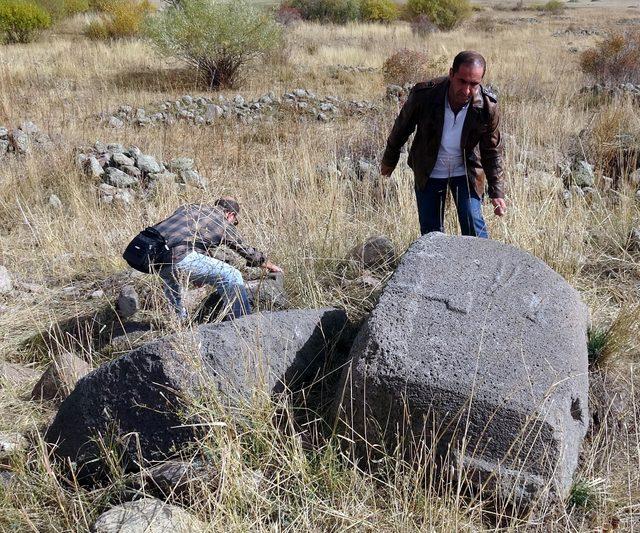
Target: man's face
{"x":464,"y":83}
{"x":232,"y":218}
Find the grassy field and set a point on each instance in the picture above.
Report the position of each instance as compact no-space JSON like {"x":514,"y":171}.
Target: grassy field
{"x":308,"y":222}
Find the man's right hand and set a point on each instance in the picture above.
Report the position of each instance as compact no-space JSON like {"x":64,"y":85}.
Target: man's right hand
{"x":386,"y":170}
{"x":271,"y":267}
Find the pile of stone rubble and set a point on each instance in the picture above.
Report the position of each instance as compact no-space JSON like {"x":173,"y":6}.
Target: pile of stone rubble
{"x":22,"y":139}
{"x":203,"y":110}
{"x":126,"y":172}
{"x":622,"y":89}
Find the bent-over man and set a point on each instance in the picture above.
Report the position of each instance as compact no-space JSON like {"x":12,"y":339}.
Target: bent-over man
{"x":457,"y":146}
{"x":192,"y":233}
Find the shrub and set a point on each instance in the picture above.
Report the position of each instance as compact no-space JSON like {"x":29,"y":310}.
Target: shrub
{"x":59,"y":9}
{"x":55,"y":8}
{"x":338,"y":11}
{"x":445,"y":14}
{"x":612,"y":141}
{"x":21,"y":21}
{"x":552,"y":6}
{"x":486,"y":23}
{"x":614,"y":60}
{"x":73,"y":7}
{"x":119,"y":19}
{"x":288,"y":16}
{"x":378,"y":10}
{"x":405,"y":66}
{"x":216,"y":37}
{"x":422,"y":26}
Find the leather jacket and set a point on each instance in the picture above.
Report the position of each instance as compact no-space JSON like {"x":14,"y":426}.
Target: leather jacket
{"x":480,"y":140}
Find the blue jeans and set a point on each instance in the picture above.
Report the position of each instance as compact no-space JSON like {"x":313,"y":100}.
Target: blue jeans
{"x":431,"y":203}
{"x":204,"y":270}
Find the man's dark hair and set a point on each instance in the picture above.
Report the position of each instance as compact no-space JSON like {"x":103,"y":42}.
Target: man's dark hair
{"x":228,"y":204}
{"x":469,"y":57}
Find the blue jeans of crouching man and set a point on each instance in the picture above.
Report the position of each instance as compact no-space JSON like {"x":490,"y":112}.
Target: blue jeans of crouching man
{"x":204,"y":270}
{"x":431,"y":203}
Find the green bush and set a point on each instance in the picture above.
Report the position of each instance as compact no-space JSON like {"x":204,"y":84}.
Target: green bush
{"x":445,"y":14}
{"x":554,"y":6}
{"x":55,"y":8}
{"x":21,"y":21}
{"x":119,"y":19}
{"x":379,"y":10}
{"x":337,"y":11}
{"x":59,"y":9}
{"x":76,"y":6}
{"x":217,"y":37}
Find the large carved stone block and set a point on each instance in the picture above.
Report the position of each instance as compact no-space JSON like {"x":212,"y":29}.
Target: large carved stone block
{"x":479,"y":349}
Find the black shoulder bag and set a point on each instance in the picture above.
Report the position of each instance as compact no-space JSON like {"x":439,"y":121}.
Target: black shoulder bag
{"x":148,"y":251}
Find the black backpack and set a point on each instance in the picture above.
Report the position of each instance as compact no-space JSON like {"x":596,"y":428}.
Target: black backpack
{"x":148,"y":251}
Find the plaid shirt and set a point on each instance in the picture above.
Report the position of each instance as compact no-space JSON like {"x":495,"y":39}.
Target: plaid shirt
{"x":201,"y":228}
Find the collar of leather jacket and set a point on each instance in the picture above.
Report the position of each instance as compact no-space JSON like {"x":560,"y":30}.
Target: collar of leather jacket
{"x":440,"y":88}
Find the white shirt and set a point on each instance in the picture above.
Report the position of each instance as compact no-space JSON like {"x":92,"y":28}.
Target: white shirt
{"x":450,"y":161}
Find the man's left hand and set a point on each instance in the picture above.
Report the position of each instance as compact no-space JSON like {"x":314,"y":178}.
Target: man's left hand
{"x":499,"y":206}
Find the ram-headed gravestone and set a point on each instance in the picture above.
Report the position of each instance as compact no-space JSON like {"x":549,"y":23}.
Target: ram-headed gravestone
{"x":481,"y":349}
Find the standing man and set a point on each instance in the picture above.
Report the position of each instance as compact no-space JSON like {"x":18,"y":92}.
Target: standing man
{"x":457,"y":146}
{"x":191,"y":234}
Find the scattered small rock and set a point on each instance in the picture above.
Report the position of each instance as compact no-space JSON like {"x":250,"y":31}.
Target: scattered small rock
{"x":582,"y":174}
{"x":375,"y":253}
{"x":121,"y":160}
{"x":120,"y":179}
{"x":15,"y":374}
{"x":5,"y":479}
{"x":179,"y":478}
{"x":128,"y":302}
{"x":11,"y":443}
{"x":55,"y":202}
{"x":634,"y":240}
{"x":115,"y":123}
{"x":181,"y":163}
{"x":146,"y":516}
{"x":148,"y":164}
{"x":60,"y":378}
{"x":6,"y":283}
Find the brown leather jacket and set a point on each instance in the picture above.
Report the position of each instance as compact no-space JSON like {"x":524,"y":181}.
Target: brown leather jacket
{"x":480,"y":141}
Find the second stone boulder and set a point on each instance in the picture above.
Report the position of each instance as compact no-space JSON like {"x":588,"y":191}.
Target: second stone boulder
{"x":139,"y":397}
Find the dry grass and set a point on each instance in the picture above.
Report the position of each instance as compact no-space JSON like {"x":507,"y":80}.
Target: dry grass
{"x":307,"y":221}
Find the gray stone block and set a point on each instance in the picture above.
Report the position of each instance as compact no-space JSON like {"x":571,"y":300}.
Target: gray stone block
{"x":60,"y":377}
{"x":117,"y":178}
{"x":148,"y":164}
{"x":481,"y":349}
{"x":147,"y":515}
{"x":139,"y":396}
{"x":128,"y":302}
{"x":6,"y":282}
